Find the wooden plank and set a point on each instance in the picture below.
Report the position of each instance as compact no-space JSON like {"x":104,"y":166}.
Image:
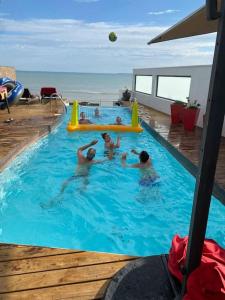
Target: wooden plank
{"x":13,"y":252}
{"x":59,"y":277}
{"x":57,"y":262}
{"x":29,"y":122}
{"x":82,"y":291}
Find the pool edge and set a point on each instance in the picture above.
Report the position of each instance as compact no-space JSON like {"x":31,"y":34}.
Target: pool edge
{"x":28,"y":142}
{"x":218,"y":192}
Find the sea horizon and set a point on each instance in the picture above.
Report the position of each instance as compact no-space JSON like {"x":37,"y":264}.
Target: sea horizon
{"x":78,"y":85}
{"x":76,"y":72}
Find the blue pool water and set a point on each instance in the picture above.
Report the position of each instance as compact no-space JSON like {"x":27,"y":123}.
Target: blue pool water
{"x":108,"y":210}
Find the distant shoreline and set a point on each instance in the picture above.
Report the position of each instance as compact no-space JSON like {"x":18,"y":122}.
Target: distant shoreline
{"x":73,"y":85}
{"x":94,"y":73}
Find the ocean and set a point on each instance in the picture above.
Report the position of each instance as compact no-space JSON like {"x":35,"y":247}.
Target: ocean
{"x":79,"y":86}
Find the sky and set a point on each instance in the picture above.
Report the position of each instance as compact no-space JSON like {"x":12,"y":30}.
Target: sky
{"x":72,"y":35}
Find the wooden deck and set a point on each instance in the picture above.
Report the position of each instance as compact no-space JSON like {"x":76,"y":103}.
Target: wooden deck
{"x":45,"y":273}
{"x":30,"y":122}
{"x":187,"y":142}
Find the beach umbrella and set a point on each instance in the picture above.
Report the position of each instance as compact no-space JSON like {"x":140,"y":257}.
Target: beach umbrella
{"x":197,"y":23}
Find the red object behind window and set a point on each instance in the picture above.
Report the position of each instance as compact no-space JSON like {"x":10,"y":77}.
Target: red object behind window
{"x":207,"y":282}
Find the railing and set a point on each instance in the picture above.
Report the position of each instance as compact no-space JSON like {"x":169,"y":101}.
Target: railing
{"x":56,"y":96}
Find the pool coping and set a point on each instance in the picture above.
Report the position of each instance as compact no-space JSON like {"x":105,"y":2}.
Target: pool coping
{"x":218,"y":191}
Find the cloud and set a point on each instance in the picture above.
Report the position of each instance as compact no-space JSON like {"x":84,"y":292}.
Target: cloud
{"x":76,"y":45}
{"x":86,"y":1}
{"x":163,"y":12}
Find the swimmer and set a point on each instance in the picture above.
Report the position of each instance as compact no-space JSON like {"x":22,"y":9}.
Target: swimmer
{"x":97,"y":113}
{"x":83,"y":167}
{"x":144,"y":160}
{"x":109,"y":144}
{"x":83,"y":119}
{"x":84,"y":163}
{"x":118,"y":121}
{"x":89,"y":158}
{"x":145,"y":165}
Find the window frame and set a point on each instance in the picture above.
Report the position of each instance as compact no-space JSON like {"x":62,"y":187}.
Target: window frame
{"x":136,"y":75}
{"x":169,"y":99}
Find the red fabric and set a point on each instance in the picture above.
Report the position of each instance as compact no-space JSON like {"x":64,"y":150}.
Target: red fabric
{"x":207,"y":282}
{"x":48,"y":91}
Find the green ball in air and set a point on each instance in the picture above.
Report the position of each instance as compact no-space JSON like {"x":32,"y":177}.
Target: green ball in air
{"x":112,"y":37}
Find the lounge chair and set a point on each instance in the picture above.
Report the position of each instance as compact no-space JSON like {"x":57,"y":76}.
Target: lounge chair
{"x":49,"y":93}
{"x":28,"y":98}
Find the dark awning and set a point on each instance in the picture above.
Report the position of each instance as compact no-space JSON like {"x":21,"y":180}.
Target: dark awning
{"x":194,"y":24}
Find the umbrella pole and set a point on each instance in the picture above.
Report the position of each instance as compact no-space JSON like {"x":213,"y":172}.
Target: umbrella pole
{"x":209,"y":150}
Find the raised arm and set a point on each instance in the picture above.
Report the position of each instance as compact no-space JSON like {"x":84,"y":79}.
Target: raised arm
{"x":82,"y":148}
{"x":124,"y":162}
{"x":135,"y":152}
{"x":124,"y":159}
{"x":118,"y":142}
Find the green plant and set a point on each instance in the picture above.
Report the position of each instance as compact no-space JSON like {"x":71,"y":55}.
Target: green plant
{"x":179,"y":102}
{"x":193,"y":104}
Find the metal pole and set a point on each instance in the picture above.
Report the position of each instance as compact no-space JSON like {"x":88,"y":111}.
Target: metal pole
{"x":209,"y":152}
{"x":7,"y":104}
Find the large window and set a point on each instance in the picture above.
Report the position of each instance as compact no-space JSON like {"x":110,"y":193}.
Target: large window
{"x":143,"y":84}
{"x":173,"y":88}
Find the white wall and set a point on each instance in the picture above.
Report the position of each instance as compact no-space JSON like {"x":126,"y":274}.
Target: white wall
{"x":200,"y":77}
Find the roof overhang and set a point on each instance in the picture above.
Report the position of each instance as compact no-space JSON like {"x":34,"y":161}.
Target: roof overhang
{"x":195,"y":24}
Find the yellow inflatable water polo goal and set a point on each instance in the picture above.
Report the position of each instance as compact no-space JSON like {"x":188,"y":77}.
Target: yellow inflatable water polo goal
{"x":74,"y":125}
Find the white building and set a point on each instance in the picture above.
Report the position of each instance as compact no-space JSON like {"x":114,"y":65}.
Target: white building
{"x":159,"y":87}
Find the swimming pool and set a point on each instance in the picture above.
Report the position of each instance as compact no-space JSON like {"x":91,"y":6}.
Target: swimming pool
{"x":108,"y":211}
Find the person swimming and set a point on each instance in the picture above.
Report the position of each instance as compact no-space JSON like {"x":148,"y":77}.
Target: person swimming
{"x":149,"y":176}
{"x":97,"y":113}
{"x":83,"y":119}
{"x":84,"y":162}
{"x":82,"y":172}
{"x":118,"y":121}
{"x":109,"y":145}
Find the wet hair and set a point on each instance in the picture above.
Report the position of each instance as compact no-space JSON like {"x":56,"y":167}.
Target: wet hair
{"x":90,"y":153}
{"x":104,"y":135}
{"x":144,"y":156}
